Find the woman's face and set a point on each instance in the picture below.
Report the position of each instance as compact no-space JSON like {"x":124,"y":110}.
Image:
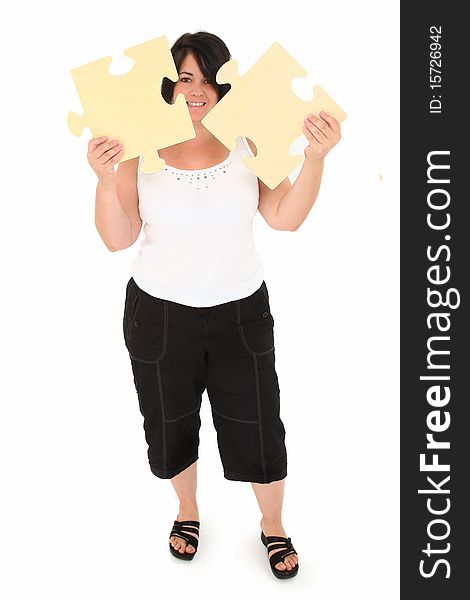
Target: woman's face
{"x":201,"y":96}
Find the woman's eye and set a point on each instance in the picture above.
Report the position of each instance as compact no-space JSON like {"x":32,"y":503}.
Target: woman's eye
{"x":187,"y":79}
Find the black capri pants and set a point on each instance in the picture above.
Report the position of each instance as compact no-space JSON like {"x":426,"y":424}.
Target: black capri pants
{"x":179,"y":351}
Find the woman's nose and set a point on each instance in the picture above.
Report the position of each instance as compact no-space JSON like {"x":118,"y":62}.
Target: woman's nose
{"x":196,"y":90}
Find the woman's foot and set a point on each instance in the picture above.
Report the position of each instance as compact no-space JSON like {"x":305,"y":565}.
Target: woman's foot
{"x":277,"y":529}
{"x":189,"y":513}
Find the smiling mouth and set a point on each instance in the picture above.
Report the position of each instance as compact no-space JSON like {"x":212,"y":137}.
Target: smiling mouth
{"x":196,"y":104}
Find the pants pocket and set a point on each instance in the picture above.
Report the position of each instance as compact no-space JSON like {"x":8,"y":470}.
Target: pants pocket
{"x":144,"y":325}
{"x":257,"y":322}
{"x":130,"y":308}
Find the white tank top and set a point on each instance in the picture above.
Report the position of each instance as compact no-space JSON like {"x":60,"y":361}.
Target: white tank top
{"x":198,"y":248}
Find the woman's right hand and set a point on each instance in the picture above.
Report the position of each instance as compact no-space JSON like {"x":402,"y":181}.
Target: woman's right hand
{"x":103,"y":155}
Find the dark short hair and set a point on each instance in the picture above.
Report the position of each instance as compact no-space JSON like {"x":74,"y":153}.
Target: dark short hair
{"x":210,"y":53}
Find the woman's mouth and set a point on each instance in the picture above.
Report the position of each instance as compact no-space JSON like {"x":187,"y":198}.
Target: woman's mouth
{"x":195,"y":104}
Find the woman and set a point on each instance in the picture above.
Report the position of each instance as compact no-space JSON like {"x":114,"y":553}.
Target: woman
{"x":197,"y":312}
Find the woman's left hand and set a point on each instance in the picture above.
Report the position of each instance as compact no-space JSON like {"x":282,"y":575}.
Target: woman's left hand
{"x":322,"y":134}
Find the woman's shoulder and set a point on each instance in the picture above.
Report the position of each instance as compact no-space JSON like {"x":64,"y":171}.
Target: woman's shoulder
{"x":246,"y":146}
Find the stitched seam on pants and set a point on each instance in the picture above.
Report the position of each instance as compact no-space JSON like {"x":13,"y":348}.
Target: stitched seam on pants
{"x":165,"y":330}
{"x":159,"y":375}
{"x":260,"y":424}
{"x":162,"y":408}
{"x":183,"y":416}
{"x":234,"y":419}
{"x":169,"y":473}
{"x":255,"y":475}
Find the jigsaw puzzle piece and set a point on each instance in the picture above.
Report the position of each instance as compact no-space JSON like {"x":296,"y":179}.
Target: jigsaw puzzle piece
{"x":262,"y":106}
{"x":280,"y":164}
{"x":84,"y":78}
{"x":129,"y":107}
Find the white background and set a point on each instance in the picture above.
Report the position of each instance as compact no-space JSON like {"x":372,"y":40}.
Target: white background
{"x":82,"y":516}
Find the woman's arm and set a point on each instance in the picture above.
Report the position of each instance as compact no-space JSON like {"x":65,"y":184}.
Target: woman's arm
{"x":117,"y":216}
{"x":295,"y":205}
{"x":286,"y":207}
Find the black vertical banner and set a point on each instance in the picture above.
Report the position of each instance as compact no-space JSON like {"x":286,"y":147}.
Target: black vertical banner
{"x":435,"y":270}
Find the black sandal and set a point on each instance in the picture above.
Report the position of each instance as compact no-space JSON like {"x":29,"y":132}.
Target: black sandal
{"x":183,"y":530}
{"x":284,"y":547}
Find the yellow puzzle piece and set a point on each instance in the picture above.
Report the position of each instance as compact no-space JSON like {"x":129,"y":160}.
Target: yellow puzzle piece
{"x":130,"y":107}
{"x":262,"y":106}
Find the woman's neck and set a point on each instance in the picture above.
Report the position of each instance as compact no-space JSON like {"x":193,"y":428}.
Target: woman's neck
{"x":203,"y":138}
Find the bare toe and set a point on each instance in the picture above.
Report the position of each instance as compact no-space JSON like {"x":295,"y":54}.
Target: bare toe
{"x":181,"y":545}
